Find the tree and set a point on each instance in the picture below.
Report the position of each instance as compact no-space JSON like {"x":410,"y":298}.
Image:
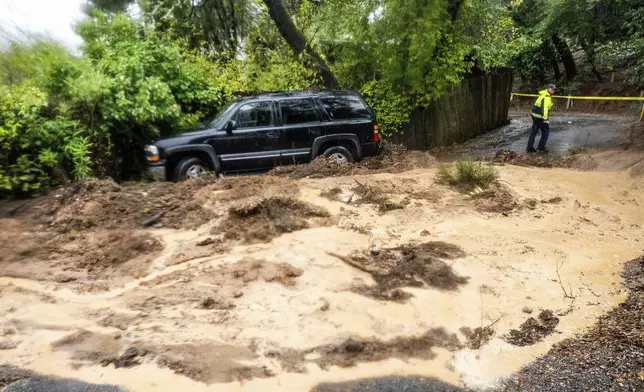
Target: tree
{"x":297,"y":41}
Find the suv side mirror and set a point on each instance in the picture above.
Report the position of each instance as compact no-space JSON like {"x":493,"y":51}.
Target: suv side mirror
{"x":231,"y":126}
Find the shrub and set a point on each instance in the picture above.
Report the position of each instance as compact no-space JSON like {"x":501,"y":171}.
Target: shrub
{"x":468,"y":174}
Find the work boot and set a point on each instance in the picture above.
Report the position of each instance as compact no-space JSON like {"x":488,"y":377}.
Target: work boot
{"x":543,"y":150}
{"x":531,"y":149}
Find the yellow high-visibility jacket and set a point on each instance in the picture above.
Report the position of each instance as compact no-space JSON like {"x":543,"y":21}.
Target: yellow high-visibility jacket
{"x":542,"y":106}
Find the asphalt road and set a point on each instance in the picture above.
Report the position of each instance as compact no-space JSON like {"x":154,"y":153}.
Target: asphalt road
{"x":566,"y":133}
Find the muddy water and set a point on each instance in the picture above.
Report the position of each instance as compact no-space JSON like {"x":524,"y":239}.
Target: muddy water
{"x":510,"y":260}
{"x":566,"y":133}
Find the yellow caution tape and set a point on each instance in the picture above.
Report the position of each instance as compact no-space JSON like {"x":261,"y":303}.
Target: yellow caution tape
{"x":588,"y":99}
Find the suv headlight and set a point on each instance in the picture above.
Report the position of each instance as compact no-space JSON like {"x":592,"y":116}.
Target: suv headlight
{"x":152,"y":153}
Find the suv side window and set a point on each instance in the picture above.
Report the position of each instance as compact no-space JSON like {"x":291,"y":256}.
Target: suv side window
{"x":254,"y":115}
{"x":298,"y":111}
{"x":345,"y":107}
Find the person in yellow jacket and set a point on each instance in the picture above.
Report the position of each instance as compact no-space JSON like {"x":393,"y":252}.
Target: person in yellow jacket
{"x":541,"y":120}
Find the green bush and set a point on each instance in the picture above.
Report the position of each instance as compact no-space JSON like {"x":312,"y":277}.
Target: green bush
{"x":34,"y":140}
{"x":467,"y":174}
{"x":92,"y":115}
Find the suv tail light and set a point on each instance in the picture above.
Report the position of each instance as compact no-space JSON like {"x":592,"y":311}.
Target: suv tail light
{"x":376,"y":133}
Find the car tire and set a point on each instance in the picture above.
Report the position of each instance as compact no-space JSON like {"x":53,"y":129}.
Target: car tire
{"x":339,"y":154}
{"x":190,"y":168}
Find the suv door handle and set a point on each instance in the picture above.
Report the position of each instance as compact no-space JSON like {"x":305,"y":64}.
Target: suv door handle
{"x":273,"y":134}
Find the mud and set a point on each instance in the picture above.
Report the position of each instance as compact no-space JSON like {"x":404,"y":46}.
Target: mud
{"x":392,"y":158}
{"x":209,"y":363}
{"x":201,"y":362}
{"x":533,"y":330}
{"x":103,"y":203}
{"x":572,"y":161}
{"x":264,"y":219}
{"x":407,"y":266}
{"x":609,"y":357}
{"x":81,"y":257}
{"x":357,"y":350}
{"x":213,"y":288}
{"x":384,"y":195}
{"x":90,"y":347}
{"x":497,"y":198}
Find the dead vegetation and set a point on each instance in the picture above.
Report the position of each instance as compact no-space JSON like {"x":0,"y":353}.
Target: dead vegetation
{"x":407,"y":266}
{"x":238,"y":188}
{"x":497,"y":198}
{"x":533,"y":330}
{"x":264,"y":219}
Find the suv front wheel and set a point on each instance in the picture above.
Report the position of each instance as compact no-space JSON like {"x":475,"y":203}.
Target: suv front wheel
{"x":339,"y":154}
{"x":190,"y":168}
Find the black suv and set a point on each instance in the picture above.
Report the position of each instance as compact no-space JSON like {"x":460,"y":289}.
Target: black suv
{"x":270,"y":130}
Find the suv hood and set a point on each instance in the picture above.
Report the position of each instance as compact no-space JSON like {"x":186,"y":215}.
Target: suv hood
{"x":195,"y":137}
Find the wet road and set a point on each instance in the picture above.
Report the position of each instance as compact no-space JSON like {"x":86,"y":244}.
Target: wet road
{"x":566,"y":133}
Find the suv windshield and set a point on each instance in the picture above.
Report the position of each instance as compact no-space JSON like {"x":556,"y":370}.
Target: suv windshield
{"x":215,"y":121}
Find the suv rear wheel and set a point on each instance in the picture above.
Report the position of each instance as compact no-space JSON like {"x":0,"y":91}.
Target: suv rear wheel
{"x":190,"y":168}
{"x":339,"y":154}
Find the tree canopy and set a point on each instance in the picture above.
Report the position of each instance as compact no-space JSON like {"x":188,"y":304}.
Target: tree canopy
{"x":151,"y":68}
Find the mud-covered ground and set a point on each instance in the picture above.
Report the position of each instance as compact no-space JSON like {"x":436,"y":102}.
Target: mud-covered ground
{"x":314,"y":276}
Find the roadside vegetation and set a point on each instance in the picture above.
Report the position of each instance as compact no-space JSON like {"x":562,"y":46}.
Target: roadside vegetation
{"x":149,"y":69}
{"x":467,"y":175}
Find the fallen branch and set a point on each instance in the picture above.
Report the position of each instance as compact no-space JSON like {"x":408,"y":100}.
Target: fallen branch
{"x":372,"y":271}
{"x":560,"y":264}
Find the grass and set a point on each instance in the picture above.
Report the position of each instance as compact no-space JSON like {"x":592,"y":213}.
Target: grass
{"x":468,"y":174}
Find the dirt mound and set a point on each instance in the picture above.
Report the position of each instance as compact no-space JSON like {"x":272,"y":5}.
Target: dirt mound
{"x":533,"y":331}
{"x":497,"y":198}
{"x":358,"y":350}
{"x":108,"y":250}
{"x":264,"y":219}
{"x":94,"y":203}
{"x":392,"y":158}
{"x":578,"y":161}
{"x":407,"y":266}
{"x":238,"y":188}
{"x":81,"y":257}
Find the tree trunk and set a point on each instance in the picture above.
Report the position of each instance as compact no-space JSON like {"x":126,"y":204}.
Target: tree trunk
{"x":555,"y":67}
{"x":566,"y":56}
{"x":297,"y":42}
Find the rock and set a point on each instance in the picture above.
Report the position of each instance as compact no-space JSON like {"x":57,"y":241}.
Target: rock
{"x":147,"y":222}
{"x":325,"y":306}
{"x":238,"y":294}
{"x":527,"y":310}
{"x":425,"y":233}
{"x":375,"y":251}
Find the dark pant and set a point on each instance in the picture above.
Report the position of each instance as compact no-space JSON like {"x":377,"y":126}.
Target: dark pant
{"x":539,"y":124}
